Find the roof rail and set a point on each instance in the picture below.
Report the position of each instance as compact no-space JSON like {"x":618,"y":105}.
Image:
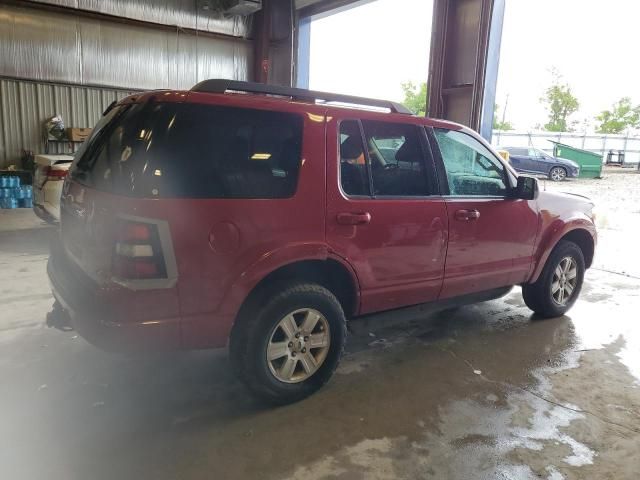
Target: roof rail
{"x":222,"y":86}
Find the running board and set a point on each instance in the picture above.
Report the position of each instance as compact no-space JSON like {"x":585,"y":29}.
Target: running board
{"x":376,"y":321}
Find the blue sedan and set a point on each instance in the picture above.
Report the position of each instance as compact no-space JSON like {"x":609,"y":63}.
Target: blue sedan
{"x":533,"y":160}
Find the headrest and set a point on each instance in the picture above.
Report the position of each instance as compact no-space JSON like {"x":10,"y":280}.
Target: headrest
{"x":351,"y":148}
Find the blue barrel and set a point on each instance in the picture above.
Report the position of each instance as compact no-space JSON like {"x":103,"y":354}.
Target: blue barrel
{"x":25,"y":203}
{"x":27,"y":191}
{"x":4,"y":181}
{"x":5,"y":192}
{"x":9,"y":203}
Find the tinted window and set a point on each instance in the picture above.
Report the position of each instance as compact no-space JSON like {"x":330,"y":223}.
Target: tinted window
{"x":532,"y":152}
{"x":471,"y":168}
{"x":518,"y":151}
{"x":354,"y":177}
{"x":397,"y":159}
{"x":196,"y":151}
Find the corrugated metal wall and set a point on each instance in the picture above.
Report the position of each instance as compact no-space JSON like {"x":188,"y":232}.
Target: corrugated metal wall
{"x":43,"y":45}
{"x":201,"y":15}
{"x":25,"y":106}
{"x":65,"y":49}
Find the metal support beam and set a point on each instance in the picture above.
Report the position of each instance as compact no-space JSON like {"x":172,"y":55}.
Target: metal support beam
{"x":304,"y":53}
{"x":491,"y":75}
{"x":273,"y":42}
{"x":457,"y":69}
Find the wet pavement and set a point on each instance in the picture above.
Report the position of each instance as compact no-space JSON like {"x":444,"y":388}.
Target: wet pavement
{"x":484,"y":391}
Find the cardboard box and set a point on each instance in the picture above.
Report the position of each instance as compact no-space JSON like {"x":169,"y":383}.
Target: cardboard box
{"x":78,"y":134}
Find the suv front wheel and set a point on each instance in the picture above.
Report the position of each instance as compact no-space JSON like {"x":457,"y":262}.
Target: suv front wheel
{"x":560,"y":282}
{"x":287,"y":348}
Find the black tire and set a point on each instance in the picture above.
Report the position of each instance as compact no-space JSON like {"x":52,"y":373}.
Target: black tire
{"x":538,"y":296}
{"x":561,"y":171}
{"x":253,"y":331}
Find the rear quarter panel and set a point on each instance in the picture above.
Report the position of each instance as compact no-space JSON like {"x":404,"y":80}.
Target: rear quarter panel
{"x":225,"y":247}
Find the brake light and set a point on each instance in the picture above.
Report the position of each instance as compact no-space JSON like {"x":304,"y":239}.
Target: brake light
{"x":138,"y":252}
{"x":52,"y":173}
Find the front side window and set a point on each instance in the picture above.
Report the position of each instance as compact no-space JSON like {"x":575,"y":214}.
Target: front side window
{"x":160,"y":150}
{"x":472,"y":170}
{"x":397,"y":159}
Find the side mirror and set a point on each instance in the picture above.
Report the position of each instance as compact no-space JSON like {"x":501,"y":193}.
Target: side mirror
{"x":527,"y":188}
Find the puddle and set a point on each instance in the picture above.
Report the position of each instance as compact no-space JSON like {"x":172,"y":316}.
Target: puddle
{"x":598,"y":324}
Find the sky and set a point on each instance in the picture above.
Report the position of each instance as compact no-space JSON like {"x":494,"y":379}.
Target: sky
{"x":370,"y":50}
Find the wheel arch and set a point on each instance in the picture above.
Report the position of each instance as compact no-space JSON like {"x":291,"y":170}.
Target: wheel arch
{"x":578,"y":234}
{"x":330,"y":273}
{"x":334,"y":274}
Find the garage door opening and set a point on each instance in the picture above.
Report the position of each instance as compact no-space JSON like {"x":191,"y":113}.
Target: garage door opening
{"x":373,"y":50}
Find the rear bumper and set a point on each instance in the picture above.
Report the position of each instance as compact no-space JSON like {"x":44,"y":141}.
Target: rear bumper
{"x":43,"y":214}
{"x":46,"y":201}
{"x":93,"y":318}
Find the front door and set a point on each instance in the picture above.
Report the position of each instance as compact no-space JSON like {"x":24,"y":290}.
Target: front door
{"x":383,"y":216}
{"x":491,"y":236}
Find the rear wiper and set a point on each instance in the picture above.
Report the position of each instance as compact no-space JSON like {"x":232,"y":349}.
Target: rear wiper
{"x":110,"y":107}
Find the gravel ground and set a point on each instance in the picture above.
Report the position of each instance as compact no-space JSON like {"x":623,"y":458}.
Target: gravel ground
{"x":617,"y":199}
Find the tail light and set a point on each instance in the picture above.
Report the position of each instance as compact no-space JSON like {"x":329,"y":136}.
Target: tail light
{"x":138,"y":252}
{"x":52,"y":173}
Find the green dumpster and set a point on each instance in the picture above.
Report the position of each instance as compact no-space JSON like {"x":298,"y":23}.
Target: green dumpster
{"x":590,"y":163}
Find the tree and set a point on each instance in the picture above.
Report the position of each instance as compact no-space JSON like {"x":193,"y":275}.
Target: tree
{"x":561,"y":104}
{"x":621,"y":117}
{"x":415,"y":97}
{"x":500,"y":124}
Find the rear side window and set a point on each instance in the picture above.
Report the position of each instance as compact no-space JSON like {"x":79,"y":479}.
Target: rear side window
{"x":354,"y":177}
{"x":161,"y":150}
{"x":394,"y":157}
{"x":397,"y":159}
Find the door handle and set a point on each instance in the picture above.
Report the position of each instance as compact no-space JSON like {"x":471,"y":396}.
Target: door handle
{"x":467,"y":215}
{"x":353,"y":218}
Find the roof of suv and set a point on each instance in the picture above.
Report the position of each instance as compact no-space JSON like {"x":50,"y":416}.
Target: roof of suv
{"x":279,"y":93}
{"x":300,"y":94}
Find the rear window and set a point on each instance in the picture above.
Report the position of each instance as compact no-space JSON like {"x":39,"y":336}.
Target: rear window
{"x":161,"y":150}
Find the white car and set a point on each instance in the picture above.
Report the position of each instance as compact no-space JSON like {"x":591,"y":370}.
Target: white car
{"x":50,"y":173}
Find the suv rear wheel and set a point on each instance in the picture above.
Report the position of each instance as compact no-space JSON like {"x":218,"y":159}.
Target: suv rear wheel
{"x":289,"y":347}
{"x":560,"y":282}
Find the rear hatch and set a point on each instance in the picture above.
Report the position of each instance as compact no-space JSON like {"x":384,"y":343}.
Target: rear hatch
{"x":147,"y":188}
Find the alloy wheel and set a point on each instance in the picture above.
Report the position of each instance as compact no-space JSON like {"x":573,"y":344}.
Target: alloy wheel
{"x":298,"y":345}
{"x":565,"y":279}
{"x":558,"y":174}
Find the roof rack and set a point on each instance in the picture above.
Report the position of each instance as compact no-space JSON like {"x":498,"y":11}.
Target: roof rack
{"x":222,"y":86}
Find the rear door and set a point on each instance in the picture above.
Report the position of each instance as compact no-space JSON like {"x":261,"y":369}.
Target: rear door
{"x":383,"y":212}
{"x":491,"y":235}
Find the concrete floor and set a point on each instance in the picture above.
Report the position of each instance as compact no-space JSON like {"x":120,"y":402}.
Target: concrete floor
{"x":483,"y":392}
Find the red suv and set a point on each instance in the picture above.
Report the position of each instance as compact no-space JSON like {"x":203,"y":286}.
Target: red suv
{"x":261,"y":218}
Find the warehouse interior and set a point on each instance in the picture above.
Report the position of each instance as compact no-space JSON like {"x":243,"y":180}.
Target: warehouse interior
{"x":73,"y":58}
{"x":480,"y":391}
